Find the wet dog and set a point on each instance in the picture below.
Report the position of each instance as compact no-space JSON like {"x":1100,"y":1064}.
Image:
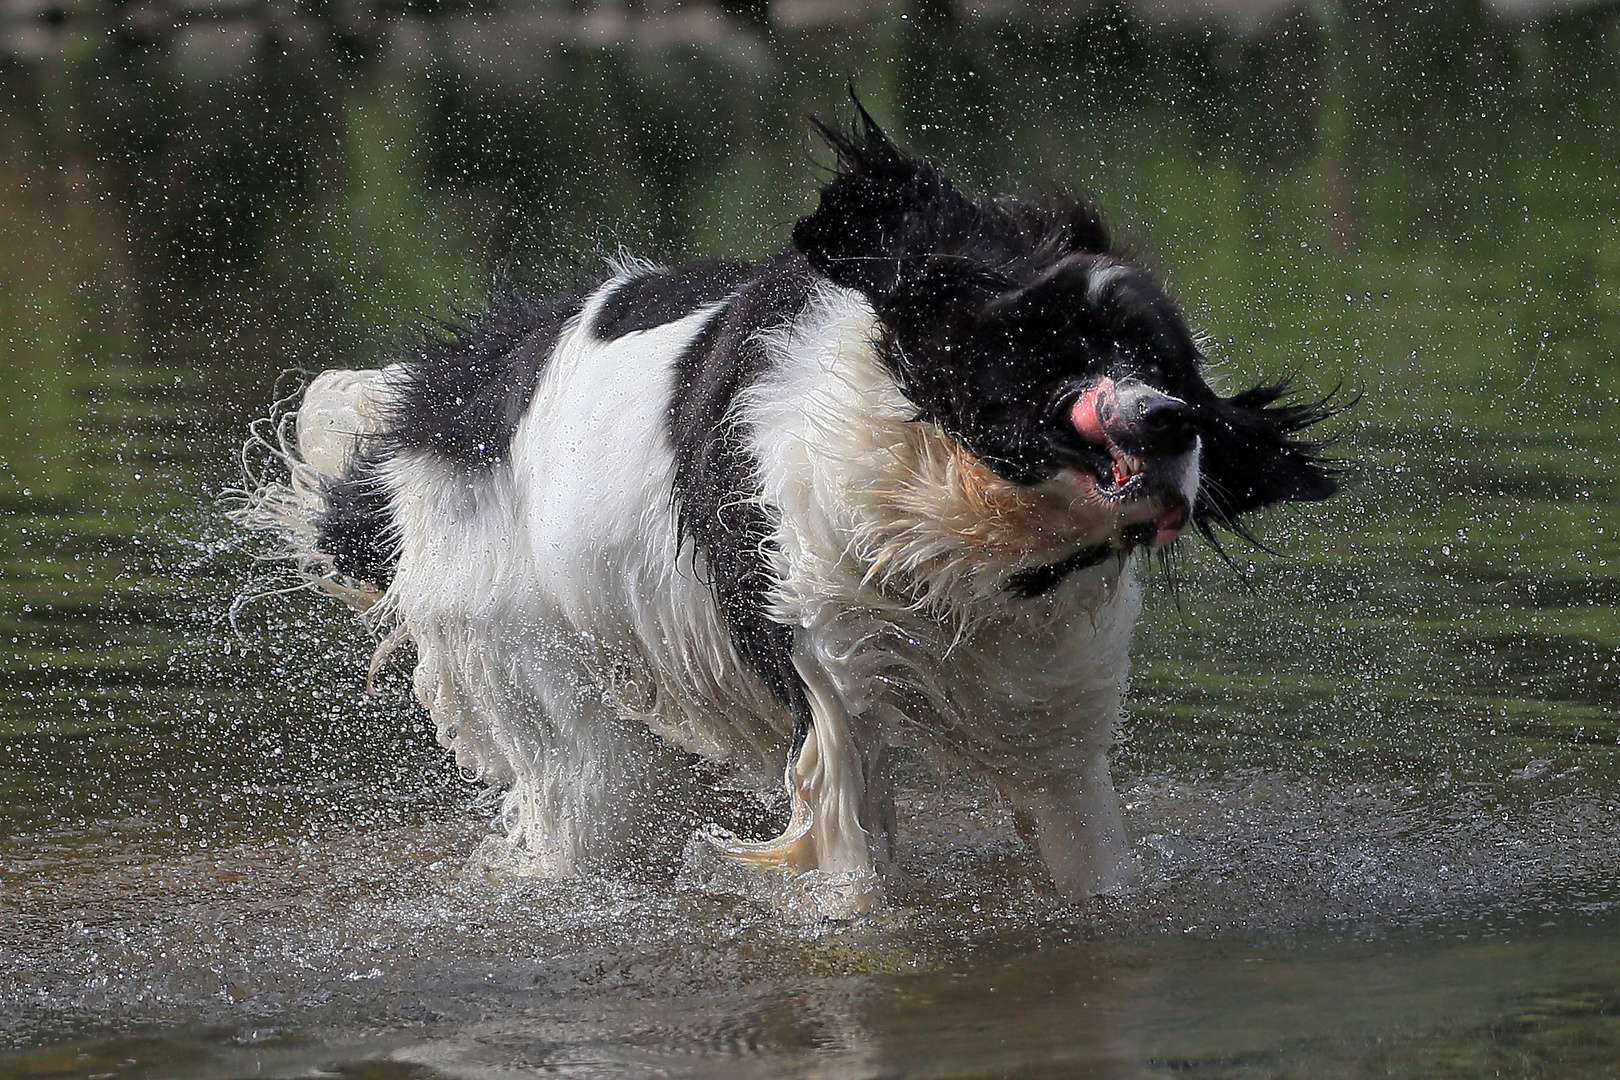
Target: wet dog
{"x":686,"y":525}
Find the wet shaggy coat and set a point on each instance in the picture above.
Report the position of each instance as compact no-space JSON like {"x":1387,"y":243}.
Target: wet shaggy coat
{"x":682,"y":527}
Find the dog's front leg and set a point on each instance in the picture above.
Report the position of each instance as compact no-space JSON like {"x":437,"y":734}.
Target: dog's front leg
{"x":828,"y":787}
{"x":1072,"y":820}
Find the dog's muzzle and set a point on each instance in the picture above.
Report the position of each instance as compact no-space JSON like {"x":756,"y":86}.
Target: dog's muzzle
{"x":1151,"y":442}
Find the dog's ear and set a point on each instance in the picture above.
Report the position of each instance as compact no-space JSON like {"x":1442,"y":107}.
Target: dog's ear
{"x":882,"y":217}
{"x":1254,"y":455}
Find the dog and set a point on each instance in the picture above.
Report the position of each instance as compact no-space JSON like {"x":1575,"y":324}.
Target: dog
{"x":659,"y":535}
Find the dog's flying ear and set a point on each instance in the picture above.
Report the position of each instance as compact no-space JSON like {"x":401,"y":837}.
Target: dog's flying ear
{"x":890,"y":225}
{"x":1255,"y":455}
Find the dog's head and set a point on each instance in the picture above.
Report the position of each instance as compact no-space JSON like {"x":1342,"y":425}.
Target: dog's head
{"x":1028,"y":338}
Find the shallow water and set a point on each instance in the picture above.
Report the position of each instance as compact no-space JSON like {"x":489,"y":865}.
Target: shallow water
{"x":1373,"y":792}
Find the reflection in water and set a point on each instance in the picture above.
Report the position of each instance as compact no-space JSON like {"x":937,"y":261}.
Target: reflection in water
{"x":1373,"y":798}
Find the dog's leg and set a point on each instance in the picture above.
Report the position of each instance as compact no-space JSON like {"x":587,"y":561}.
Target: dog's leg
{"x":1073,"y":822}
{"x":827,"y":786}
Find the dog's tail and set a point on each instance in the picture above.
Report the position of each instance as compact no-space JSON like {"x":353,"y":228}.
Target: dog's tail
{"x":300,"y":465}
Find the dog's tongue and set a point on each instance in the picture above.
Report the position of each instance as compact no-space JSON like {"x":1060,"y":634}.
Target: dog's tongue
{"x":1168,"y":525}
{"x":1086,"y":416}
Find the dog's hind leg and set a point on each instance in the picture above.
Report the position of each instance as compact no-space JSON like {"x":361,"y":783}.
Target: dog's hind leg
{"x":587,"y":791}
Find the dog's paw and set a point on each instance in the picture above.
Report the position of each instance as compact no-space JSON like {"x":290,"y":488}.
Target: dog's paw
{"x":782,"y":874}
{"x":794,"y":852}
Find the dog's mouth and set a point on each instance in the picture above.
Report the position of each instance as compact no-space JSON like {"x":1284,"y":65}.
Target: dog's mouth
{"x":1116,"y":475}
{"x":1144,"y":495}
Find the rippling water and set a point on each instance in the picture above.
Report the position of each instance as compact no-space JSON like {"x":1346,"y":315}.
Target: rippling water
{"x":1373,"y":790}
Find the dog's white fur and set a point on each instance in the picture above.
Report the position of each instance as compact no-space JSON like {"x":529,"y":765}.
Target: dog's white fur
{"x":565,"y":640}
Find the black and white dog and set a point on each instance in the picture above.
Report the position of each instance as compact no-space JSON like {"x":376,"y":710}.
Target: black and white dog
{"x":885,"y":487}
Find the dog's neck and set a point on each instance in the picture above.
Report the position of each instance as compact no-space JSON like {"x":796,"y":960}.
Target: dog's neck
{"x":898,"y":509}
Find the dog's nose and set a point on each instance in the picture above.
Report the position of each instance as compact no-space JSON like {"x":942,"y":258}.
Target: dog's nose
{"x":1149,"y":422}
{"x":1134,"y":417}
